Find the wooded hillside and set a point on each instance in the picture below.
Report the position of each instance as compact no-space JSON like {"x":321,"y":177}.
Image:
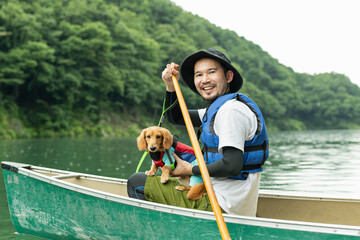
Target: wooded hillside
{"x":85,"y":68}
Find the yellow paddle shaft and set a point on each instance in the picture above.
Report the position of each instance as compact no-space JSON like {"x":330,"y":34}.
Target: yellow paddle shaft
{"x":203,"y":169}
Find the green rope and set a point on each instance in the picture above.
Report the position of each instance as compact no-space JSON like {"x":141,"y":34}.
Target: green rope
{"x":141,"y":161}
{"x":159,"y":125}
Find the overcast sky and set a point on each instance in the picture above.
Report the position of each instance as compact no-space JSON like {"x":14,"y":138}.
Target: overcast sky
{"x":311,"y":36}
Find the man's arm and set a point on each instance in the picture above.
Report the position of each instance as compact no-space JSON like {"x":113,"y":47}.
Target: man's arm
{"x":175,"y":115}
{"x":229,"y":166}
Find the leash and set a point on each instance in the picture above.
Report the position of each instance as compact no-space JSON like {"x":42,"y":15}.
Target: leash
{"x":170,"y":159}
{"x":161,"y":121}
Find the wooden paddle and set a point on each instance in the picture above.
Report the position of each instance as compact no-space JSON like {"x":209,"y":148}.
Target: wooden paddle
{"x":203,"y":169}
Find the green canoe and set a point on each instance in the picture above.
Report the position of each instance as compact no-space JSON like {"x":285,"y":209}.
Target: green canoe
{"x":56,"y":204}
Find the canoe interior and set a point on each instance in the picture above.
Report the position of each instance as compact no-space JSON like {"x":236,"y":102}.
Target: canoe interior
{"x":114,"y":187}
{"x":319,"y":210}
{"x":280,"y":206}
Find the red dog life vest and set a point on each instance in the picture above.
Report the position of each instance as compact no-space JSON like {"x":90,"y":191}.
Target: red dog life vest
{"x":182,"y":150}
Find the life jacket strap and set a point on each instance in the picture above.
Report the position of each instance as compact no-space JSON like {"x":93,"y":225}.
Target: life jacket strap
{"x":205,"y":151}
{"x":263,"y":147}
{"x":210,"y":149}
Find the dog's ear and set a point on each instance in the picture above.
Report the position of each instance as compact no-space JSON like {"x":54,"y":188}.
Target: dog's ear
{"x":141,"y":140}
{"x":168,"y":138}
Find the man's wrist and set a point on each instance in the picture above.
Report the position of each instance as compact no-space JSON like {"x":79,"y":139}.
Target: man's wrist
{"x":196,"y":170}
{"x":170,"y":89}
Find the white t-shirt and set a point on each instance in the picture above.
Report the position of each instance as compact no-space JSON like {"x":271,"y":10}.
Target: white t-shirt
{"x":234,"y":124}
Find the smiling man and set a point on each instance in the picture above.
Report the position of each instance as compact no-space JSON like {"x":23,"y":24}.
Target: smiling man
{"x":234,"y":137}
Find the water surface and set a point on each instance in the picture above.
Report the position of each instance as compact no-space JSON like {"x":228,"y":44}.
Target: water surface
{"x":316,"y":162}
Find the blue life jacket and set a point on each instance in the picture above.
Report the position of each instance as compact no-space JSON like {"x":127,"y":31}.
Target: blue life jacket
{"x":256,"y":149}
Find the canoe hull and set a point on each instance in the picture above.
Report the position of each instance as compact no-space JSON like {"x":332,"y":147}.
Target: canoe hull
{"x":47,"y":209}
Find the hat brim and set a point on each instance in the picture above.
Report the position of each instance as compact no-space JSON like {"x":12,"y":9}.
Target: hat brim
{"x":187,"y":70}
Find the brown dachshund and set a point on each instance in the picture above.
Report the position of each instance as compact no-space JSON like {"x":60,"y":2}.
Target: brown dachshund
{"x":156,"y":140}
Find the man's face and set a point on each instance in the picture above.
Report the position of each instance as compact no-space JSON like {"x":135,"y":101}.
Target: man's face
{"x":210,"y":80}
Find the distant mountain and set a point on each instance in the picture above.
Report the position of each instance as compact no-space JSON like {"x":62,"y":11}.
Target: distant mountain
{"x":81,"y":67}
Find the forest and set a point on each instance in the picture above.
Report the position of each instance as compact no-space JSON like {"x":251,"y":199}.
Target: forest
{"x":74,"y":68}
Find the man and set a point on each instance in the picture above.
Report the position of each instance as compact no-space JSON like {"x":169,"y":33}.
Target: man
{"x":233,"y":134}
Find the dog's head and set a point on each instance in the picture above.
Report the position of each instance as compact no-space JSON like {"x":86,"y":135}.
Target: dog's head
{"x":155,"y":139}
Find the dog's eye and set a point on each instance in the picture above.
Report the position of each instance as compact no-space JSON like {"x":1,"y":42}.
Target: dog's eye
{"x":148,"y":136}
{"x":158,"y":136}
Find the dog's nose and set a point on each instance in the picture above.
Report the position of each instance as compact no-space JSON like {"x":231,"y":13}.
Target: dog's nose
{"x":152,"y":148}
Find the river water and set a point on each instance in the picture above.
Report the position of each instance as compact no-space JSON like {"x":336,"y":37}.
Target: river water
{"x":315,"y":162}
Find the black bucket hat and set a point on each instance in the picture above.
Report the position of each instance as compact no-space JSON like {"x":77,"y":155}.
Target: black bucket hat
{"x":187,"y":68}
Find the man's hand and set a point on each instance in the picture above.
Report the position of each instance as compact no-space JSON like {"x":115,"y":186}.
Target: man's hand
{"x":183,"y":168}
{"x":171,"y":69}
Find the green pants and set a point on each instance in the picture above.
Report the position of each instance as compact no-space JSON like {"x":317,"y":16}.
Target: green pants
{"x":155,"y":191}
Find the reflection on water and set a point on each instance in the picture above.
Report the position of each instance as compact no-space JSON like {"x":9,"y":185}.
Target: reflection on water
{"x":103,"y":156}
{"x":314,"y":161}
{"x":308,"y":161}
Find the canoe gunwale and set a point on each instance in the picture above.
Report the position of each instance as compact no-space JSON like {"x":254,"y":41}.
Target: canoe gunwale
{"x":308,"y":196}
{"x":38,"y":173}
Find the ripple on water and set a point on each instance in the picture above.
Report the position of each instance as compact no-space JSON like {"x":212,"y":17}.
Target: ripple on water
{"x":314,"y":161}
